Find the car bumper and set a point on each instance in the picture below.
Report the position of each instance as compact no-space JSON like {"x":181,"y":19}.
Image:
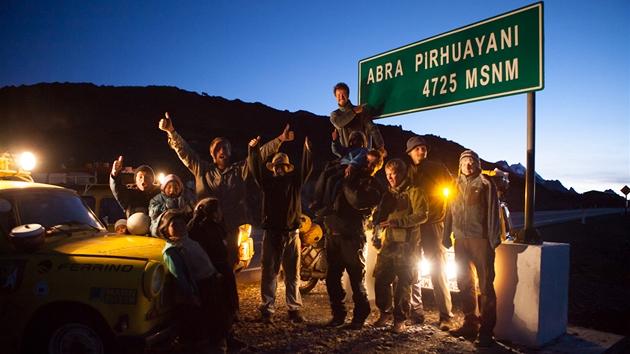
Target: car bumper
{"x":158,"y":335}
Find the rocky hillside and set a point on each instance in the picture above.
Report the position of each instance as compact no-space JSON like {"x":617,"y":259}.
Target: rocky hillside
{"x":73,"y":124}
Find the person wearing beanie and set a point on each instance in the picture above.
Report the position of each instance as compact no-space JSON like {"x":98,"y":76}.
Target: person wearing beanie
{"x":121,"y":226}
{"x":133,"y":199}
{"x":173,"y":195}
{"x":221,"y":179}
{"x":432,"y":177}
{"x":472,"y":217}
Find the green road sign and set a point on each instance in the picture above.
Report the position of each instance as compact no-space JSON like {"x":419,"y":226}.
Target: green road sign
{"x":496,"y":57}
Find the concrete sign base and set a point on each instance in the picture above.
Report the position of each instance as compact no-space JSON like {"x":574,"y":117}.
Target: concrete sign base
{"x":532,"y":287}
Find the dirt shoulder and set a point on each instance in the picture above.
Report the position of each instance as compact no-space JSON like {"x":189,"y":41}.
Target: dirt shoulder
{"x":599,"y":289}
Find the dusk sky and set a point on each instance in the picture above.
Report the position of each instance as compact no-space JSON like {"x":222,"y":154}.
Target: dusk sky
{"x":289,"y":54}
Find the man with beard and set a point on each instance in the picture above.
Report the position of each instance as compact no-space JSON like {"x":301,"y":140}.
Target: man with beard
{"x":222,"y":180}
{"x":281,"y":212}
{"x":349,"y":118}
{"x":432,"y":177}
{"x":346,"y":240}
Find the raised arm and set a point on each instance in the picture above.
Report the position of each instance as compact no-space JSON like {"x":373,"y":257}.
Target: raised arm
{"x":254,"y":161}
{"x":181,"y":147}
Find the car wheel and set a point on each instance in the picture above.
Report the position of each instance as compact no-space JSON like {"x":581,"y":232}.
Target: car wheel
{"x":73,"y":333}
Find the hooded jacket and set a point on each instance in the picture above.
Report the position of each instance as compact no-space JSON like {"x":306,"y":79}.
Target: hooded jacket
{"x":407,"y":205}
{"x":474,"y":210}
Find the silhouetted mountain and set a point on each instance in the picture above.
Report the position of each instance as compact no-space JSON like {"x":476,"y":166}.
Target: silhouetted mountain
{"x":73,"y":124}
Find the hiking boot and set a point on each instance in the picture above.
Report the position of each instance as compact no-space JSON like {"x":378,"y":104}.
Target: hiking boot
{"x":483,"y":340}
{"x":383,"y":320}
{"x":266,"y":318}
{"x":296,"y":316}
{"x":445,"y":324}
{"x":355,"y":326}
{"x":336,"y":321}
{"x":399,"y":327}
{"x":416,"y":319}
{"x":468,"y":329}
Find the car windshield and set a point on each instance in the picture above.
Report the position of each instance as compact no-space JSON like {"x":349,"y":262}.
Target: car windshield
{"x":64,"y":212}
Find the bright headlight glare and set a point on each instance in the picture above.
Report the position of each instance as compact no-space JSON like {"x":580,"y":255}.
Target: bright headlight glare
{"x":451,"y":270}
{"x":27,"y":161}
{"x":425,"y":267}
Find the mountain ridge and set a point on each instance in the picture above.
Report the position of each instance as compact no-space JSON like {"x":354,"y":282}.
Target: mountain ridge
{"x":78,"y":123}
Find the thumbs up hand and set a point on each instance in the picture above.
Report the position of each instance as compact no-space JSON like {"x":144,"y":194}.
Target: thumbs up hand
{"x":166,"y":124}
{"x":117,"y":166}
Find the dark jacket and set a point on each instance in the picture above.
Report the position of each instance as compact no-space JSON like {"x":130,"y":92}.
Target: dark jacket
{"x":358,"y":197}
{"x":346,"y":121}
{"x":132,"y":200}
{"x":473,"y":212}
{"x":432,"y":177}
{"x":282,"y":203}
{"x":227,"y":186}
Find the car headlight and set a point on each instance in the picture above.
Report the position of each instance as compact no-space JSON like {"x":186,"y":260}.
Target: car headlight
{"x":153,"y":280}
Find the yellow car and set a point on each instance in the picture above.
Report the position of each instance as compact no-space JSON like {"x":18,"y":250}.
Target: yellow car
{"x":66,"y":284}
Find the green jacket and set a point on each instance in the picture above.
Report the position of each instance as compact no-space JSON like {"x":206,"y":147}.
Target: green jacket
{"x":407,"y":205}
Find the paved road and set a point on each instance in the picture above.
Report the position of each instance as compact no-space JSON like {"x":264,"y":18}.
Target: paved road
{"x":542,"y":218}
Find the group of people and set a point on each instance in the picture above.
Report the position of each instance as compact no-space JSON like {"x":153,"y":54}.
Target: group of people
{"x":410,"y":217}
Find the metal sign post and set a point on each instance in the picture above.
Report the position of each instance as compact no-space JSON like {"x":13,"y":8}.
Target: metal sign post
{"x":625,"y":190}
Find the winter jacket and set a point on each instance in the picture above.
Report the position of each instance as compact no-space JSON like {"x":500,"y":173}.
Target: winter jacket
{"x":346,"y":121}
{"x":227,"y":186}
{"x":432,"y":177}
{"x":358,"y":197}
{"x":407,"y":204}
{"x":131,"y":199}
{"x":282,"y":203}
{"x":162,"y":202}
{"x":186,"y":286}
{"x":354,"y":157}
{"x":473,"y":212}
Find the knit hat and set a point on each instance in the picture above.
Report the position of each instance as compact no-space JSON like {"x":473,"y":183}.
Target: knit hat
{"x":471,"y":154}
{"x":172,"y":177}
{"x":145,"y":168}
{"x":416,"y":141}
{"x":120,"y":222}
{"x":280,"y":159}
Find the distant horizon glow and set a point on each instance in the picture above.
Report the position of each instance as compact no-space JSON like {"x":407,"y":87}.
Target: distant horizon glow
{"x":289,"y":55}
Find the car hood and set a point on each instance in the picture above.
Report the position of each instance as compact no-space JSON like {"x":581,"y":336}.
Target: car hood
{"x":104,"y":244}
